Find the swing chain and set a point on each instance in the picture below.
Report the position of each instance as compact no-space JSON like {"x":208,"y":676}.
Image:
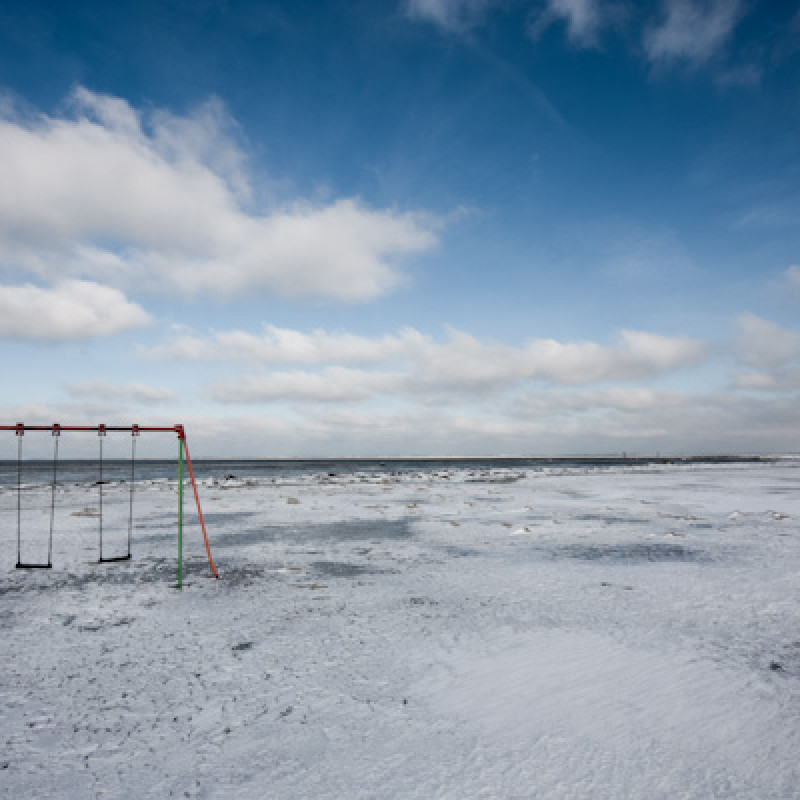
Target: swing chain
{"x":134,"y":434}
{"x":56,"y":432}
{"x":101,"y":432}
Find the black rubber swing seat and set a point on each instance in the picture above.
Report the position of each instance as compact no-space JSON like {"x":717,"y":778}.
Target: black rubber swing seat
{"x":114,"y":558}
{"x":20,"y":565}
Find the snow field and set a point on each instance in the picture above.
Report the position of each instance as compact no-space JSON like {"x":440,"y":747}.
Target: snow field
{"x":505,"y":633}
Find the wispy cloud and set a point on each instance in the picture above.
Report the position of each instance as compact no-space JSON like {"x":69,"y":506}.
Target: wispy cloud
{"x":71,"y":310}
{"x":584,"y":19}
{"x":104,"y":390}
{"x":454,"y":16}
{"x":155,"y":200}
{"x":692,"y":31}
{"x":332,"y":385}
{"x":286,"y":346}
{"x":792,"y":279}
{"x":763,"y":344}
{"x":769,"y":355}
{"x":779,"y":380}
{"x":679,"y":33}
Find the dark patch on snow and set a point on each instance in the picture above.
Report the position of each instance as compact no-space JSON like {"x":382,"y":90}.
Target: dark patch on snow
{"x":633,"y":553}
{"x":220,"y":519}
{"x":215,"y":521}
{"x":344,"y":530}
{"x":610,"y":519}
{"x":264,"y":533}
{"x":494,"y":479}
{"x":342,"y":569}
{"x":787,"y":659}
{"x":128,"y":573}
{"x":422,"y":601}
{"x":573,"y":493}
{"x":233,"y":575}
{"x":238,"y":648}
{"x":7,"y":619}
{"x":459,"y":552}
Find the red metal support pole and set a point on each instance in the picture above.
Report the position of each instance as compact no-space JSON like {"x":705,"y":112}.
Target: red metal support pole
{"x":182,"y":437}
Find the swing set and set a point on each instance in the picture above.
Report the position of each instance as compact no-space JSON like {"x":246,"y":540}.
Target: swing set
{"x":101,"y":430}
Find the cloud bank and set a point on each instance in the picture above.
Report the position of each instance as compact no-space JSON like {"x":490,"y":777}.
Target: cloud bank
{"x":152,"y":200}
{"x":459,"y":364}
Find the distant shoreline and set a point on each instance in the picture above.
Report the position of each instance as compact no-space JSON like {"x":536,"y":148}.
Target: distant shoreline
{"x":592,"y":460}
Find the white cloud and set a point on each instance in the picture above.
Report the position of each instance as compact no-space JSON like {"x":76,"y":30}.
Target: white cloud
{"x":770,"y":355}
{"x":285,"y":346}
{"x":157,"y":200}
{"x":754,"y":380}
{"x":792,"y":278}
{"x":137,"y":392}
{"x":584,"y":19}
{"x":333,"y":385}
{"x":461,"y":359}
{"x":762,"y":343}
{"x":451,"y":15}
{"x":622,"y":399}
{"x":72,"y":310}
{"x":693,"y":31}
{"x":461,"y":364}
{"x":465,"y":361}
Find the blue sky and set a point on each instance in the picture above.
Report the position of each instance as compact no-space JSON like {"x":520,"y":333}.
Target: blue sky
{"x":423,"y":227}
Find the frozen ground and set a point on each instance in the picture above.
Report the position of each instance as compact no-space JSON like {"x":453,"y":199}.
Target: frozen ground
{"x":627,"y":633}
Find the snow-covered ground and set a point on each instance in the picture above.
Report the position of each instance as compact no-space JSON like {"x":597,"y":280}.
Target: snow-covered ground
{"x":627,"y":633}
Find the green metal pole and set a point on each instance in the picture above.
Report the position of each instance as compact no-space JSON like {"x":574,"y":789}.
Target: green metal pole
{"x":180,"y":513}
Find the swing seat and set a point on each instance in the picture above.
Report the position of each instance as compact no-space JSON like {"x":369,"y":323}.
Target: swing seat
{"x":20,"y":565}
{"x":105,"y":560}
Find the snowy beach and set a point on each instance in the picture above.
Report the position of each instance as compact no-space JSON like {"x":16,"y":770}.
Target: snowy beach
{"x":438,"y":632}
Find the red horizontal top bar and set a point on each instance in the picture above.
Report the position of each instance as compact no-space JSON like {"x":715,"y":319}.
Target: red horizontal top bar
{"x":142,"y":428}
